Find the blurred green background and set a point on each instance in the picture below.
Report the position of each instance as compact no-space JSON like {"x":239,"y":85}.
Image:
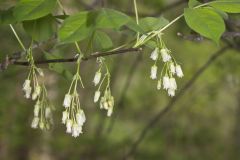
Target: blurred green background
{"x":203,"y":125}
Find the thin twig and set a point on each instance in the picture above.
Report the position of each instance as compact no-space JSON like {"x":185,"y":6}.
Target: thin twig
{"x":74,"y":59}
{"x":170,"y":105}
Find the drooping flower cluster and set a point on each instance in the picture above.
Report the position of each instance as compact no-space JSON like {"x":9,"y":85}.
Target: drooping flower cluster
{"x":169,"y":70}
{"x":107,"y":100}
{"x":42,"y":112}
{"x":36,"y":90}
{"x":73,"y":116}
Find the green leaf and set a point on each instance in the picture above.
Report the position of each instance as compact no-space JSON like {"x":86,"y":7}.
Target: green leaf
{"x":223,"y":14}
{"x":58,"y":67}
{"x":75,"y":28}
{"x":206,"y":22}
{"x":151,"y":23}
{"x":33,"y":9}
{"x":193,"y":3}
{"x":6,"y":17}
{"x":40,"y":29}
{"x":102,"y":41}
{"x":134,"y":26}
{"x":230,"y":6}
{"x":109,"y":18}
{"x":79,"y":26}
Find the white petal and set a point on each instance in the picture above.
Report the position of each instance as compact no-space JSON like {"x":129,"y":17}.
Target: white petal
{"x":81,"y":118}
{"x":179,"y":71}
{"x":67,"y":100}
{"x":35,"y":122}
{"x":64,"y":117}
{"x":165,"y":56}
{"x":97,"y":96}
{"x":153,"y":72}
{"x":109,"y":111}
{"x":166,"y":82}
{"x":154,"y":54}
{"x":171,"y":92}
{"x":172,"y":68}
{"x":75,"y":130}
{"x":173,"y":84}
{"x":69,"y":126}
{"x":26,"y":84}
{"x":97,"y":78}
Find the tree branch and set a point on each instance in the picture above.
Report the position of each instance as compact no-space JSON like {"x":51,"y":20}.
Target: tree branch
{"x":170,"y":105}
{"x":74,"y":59}
{"x":124,"y":90}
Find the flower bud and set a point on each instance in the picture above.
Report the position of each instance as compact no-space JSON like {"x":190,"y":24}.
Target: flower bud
{"x":97,"y":78}
{"x":153,"y":72}
{"x":67,"y":100}
{"x":97,"y":96}
{"x":179,"y":71}
{"x":35,"y":122}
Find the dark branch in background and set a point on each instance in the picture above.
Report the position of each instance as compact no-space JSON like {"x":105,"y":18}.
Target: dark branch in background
{"x":170,"y":105}
{"x":13,"y":61}
{"x":120,"y":103}
{"x":198,"y":38}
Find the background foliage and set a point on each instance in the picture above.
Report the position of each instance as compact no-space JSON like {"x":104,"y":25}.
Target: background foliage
{"x":204,"y":124}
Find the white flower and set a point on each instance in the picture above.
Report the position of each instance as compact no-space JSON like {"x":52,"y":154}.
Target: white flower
{"x":171,"y":92}
{"x":97,"y":96}
{"x":105,"y":105}
{"x":35,"y":122}
{"x":166,"y":82}
{"x":26,"y":84}
{"x":154,"y":54}
{"x":81,"y":118}
{"x":97,"y":78}
{"x":179,"y":71}
{"x":34,"y":96}
{"x":28,"y":92}
{"x":153,"y":72}
{"x":36,"y":109}
{"x":159,"y":84}
{"x":64,"y":116}
{"x":69,"y":126}
{"x":172,"y":68}
{"x":75,"y":130}
{"x":67,"y":100}
{"x":165,"y":56}
{"x":27,"y":88}
{"x":110,"y":111}
{"x":36,"y":92}
{"x":173,"y":84}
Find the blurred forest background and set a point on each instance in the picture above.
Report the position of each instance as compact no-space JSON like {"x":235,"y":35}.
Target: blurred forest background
{"x":203,"y":123}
